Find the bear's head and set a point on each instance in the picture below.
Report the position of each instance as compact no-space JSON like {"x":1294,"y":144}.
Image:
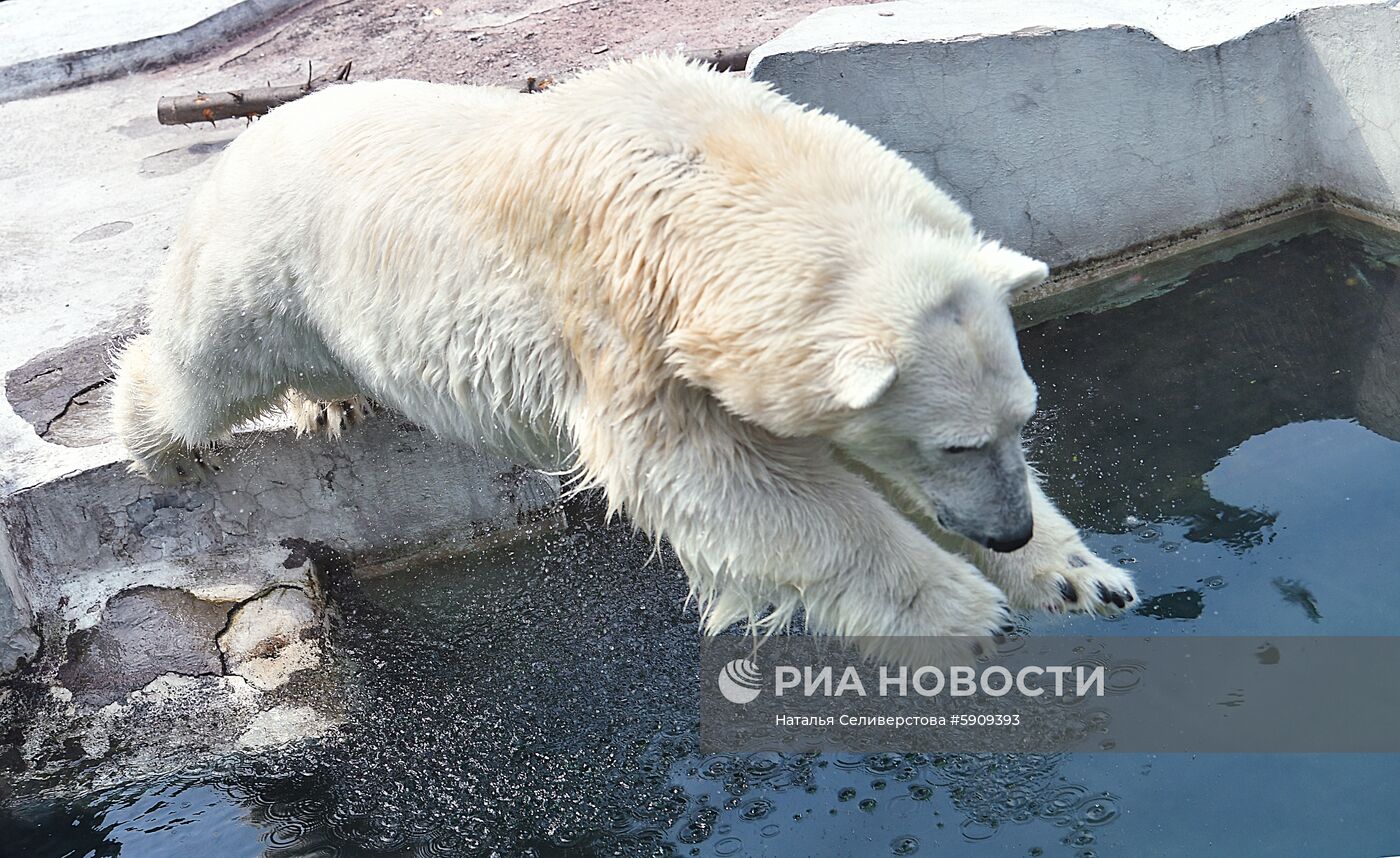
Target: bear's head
{"x":905,"y":358}
{"x":927,"y":389}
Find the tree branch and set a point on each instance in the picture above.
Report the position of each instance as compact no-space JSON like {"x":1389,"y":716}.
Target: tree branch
{"x":238,"y":104}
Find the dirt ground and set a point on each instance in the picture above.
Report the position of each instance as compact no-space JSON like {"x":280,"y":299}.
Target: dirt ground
{"x":488,"y":41}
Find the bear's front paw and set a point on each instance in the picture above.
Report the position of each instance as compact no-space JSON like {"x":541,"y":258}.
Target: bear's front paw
{"x":943,"y":611}
{"x":956,"y":605}
{"x":947,"y":619}
{"x":1061,"y":576}
{"x":1081,"y":583}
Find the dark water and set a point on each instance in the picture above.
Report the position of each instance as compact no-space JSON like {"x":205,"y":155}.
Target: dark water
{"x":1231,"y":440}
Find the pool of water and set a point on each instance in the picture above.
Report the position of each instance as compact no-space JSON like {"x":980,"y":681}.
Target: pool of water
{"x":1232,"y":440}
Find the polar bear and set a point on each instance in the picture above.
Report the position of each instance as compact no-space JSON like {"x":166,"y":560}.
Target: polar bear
{"x":733,"y":313}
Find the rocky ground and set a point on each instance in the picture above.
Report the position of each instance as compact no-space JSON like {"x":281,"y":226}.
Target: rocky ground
{"x":479,"y":41}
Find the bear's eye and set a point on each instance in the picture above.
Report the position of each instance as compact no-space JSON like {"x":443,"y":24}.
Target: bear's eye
{"x":956,"y":450}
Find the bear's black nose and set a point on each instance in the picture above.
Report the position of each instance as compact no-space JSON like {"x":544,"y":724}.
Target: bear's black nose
{"x":1011,"y":543}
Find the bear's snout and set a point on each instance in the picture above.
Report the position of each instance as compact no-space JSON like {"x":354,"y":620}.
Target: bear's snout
{"x":1011,"y":542}
{"x":1012,"y":536}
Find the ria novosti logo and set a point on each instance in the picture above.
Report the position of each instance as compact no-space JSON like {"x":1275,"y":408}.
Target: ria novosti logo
{"x":739,"y":681}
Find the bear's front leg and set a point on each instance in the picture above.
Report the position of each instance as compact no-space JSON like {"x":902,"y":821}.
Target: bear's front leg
{"x":766,"y":527}
{"x":781,"y":525}
{"x":1055,"y":571}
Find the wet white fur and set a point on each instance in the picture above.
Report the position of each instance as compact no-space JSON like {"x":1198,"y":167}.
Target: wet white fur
{"x":676,"y":283}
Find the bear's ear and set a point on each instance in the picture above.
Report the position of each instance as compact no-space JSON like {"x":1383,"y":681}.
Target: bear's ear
{"x":1009,"y":271}
{"x":860,"y":374}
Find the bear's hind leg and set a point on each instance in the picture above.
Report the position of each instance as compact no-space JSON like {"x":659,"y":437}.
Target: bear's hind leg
{"x":169,"y":419}
{"x":330,"y":417}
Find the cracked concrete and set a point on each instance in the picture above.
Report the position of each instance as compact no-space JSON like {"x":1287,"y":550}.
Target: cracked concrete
{"x":387,"y":490}
{"x":145,"y":632}
{"x":272,"y":636}
{"x":51,"y":385}
{"x":262,"y":633}
{"x":158,"y":675}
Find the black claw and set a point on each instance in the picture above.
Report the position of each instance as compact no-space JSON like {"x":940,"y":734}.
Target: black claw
{"x":1111,"y":597}
{"x":1130,"y":597}
{"x":321,"y":417}
{"x":1077,"y":562}
{"x":1068,"y":592}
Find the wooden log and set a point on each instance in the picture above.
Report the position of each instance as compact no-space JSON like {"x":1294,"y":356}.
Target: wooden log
{"x":724,"y":59}
{"x":238,"y":104}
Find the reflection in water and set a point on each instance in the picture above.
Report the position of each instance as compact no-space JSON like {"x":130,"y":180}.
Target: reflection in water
{"x":1296,"y":593}
{"x":1239,"y":430}
{"x":1140,"y":403}
{"x":1231,"y":441}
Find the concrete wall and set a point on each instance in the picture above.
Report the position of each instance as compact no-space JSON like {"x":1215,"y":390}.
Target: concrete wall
{"x":1354,"y":102}
{"x":19,"y":641}
{"x":1075,"y":130}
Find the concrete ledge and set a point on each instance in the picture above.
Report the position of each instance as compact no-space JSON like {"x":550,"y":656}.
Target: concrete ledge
{"x":129,"y":603}
{"x":1075,"y":130}
{"x":78,"y":531}
{"x":387,"y":489}
{"x":51,"y":44}
{"x":281,"y":511}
